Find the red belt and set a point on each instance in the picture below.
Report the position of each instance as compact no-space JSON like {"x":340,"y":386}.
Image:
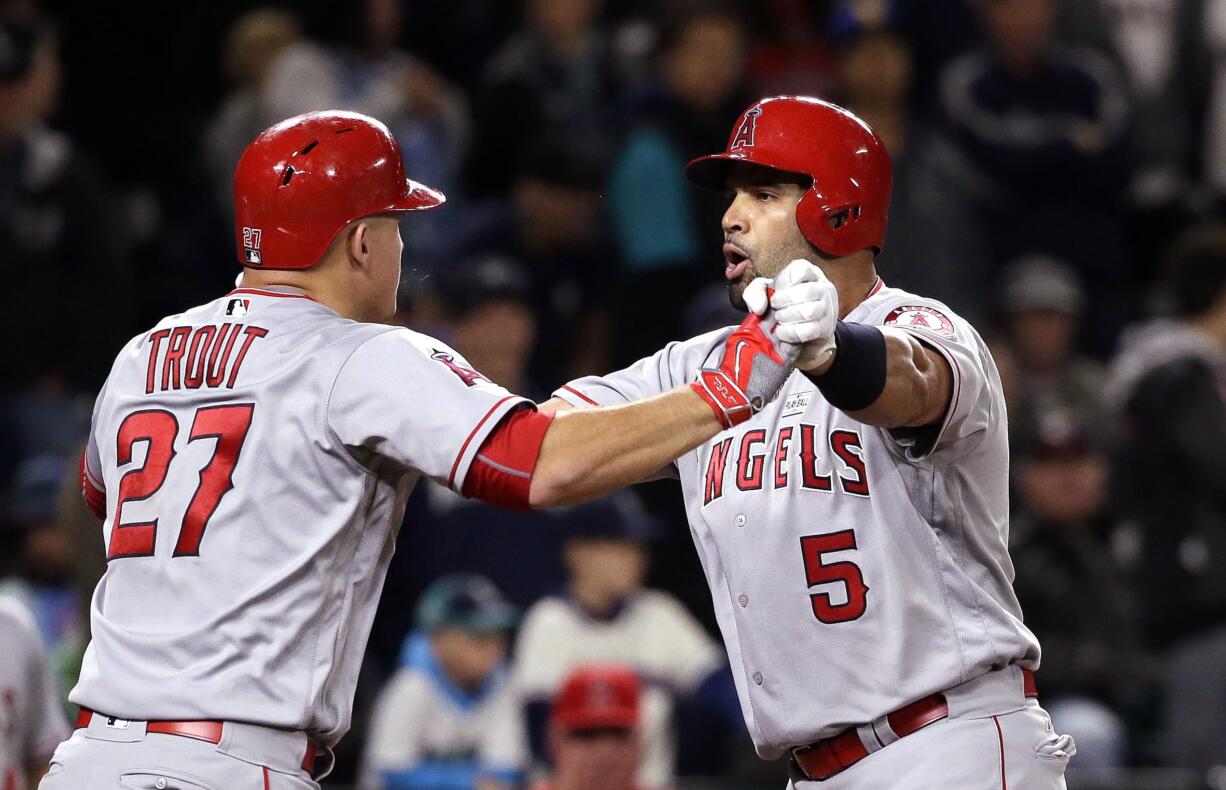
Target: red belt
{"x":200,"y":730}
{"x":823,"y":759}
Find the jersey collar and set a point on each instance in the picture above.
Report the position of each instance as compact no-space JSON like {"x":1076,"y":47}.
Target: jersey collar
{"x":279,"y":291}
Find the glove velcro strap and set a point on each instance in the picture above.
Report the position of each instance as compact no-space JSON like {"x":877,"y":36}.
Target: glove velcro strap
{"x":726,"y":399}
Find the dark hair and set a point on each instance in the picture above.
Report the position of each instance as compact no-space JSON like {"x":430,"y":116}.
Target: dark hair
{"x":1195,"y":269}
{"x":476,"y":282}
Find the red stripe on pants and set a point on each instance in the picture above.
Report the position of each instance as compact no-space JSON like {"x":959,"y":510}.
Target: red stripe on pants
{"x":1001,"y":737}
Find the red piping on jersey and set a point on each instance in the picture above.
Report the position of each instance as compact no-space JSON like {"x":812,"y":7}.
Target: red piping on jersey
{"x":464,"y":447}
{"x":95,"y":496}
{"x":266,"y":785}
{"x":579,"y":394}
{"x":259,"y":292}
{"x":1001,"y":737}
{"x":877,"y":286}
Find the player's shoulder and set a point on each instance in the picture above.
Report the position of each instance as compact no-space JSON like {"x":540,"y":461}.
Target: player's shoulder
{"x":694,"y":352}
{"x":657,"y":604}
{"x":896,"y":307}
{"x":411,"y":684}
{"x":550,"y":612}
{"x":380,"y":345}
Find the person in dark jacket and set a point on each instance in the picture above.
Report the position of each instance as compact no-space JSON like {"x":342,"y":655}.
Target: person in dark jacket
{"x":1169,"y":389}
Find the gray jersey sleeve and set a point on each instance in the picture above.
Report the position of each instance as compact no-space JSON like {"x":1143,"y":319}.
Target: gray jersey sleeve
{"x":971,"y":406}
{"x":408,"y":398}
{"x":675,"y":364}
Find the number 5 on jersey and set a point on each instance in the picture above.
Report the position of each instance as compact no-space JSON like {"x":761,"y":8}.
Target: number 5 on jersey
{"x":227,"y":424}
{"x":818,"y":571}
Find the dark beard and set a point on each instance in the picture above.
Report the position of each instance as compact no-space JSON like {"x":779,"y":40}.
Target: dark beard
{"x":736,"y":293}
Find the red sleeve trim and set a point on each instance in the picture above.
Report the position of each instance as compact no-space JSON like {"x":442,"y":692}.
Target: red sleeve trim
{"x":94,"y":495}
{"x":579,"y":394}
{"x":455,"y":467}
{"x":501,"y":474}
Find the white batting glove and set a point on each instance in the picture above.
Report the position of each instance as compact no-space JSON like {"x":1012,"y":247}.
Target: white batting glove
{"x":806,"y":305}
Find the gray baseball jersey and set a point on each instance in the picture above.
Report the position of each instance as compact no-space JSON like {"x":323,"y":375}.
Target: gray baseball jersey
{"x":31,"y":714}
{"x":256,"y":453}
{"x":853,"y":569}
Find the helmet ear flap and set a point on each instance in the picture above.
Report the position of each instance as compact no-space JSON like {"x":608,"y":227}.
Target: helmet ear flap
{"x":827,"y":227}
{"x":811,"y":216}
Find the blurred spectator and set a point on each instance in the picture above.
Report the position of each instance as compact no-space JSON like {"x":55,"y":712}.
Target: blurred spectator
{"x":606,"y":615}
{"x":486,"y":315}
{"x":1170,"y":483}
{"x":253,"y":44}
{"x":32,"y":721}
{"x":788,"y":53}
{"x":666,"y":229}
{"x":368,"y":73}
{"x":557,"y":74}
{"x":594,"y":735}
{"x":552,"y":227}
{"x":62,"y":245}
{"x":1213,"y":126}
{"x":924,"y":252}
{"x":446,"y":720}
{"x":1162,"y":47}
{"x":1074,"y":594}
{"x":874,"y":76}
{"x":936,"y":31}
{"x":45,"y":556}
{"x":1041,"y":302}
{"x":1041,"y":130}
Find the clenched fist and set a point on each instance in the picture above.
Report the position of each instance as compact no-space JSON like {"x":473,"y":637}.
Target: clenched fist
{"x":806,"y":305}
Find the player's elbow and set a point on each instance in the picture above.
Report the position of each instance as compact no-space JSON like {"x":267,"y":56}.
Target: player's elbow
{"x":931,"y":385}
{"x":555,"y":485}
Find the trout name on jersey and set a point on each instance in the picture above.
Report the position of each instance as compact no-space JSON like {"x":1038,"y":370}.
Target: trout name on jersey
{"x":795,"y":456}
{"x":189,"y":357}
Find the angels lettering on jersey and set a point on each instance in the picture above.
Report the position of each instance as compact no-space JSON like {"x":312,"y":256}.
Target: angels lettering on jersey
{"x":804,"y":457}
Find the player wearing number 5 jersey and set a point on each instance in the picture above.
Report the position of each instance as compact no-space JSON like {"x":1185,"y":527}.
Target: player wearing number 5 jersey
{"x":252,"y":456}
{"x":854,"y":534}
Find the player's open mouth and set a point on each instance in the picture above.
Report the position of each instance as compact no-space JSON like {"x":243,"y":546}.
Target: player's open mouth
{"x":737,"y":262}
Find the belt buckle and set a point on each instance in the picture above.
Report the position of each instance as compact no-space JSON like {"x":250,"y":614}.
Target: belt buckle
{"x":796,"y":771}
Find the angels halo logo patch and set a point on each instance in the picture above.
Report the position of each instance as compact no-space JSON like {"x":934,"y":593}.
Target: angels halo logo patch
{"x":921,"y":317}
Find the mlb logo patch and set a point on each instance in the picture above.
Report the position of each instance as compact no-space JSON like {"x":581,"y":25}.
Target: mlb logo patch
{"x":238,"y":307}
{"x":251,"y":245}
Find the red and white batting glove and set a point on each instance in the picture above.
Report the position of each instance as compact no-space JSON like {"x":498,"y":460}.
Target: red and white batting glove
{"x":806,"y":305}
{"x":754,"y":365}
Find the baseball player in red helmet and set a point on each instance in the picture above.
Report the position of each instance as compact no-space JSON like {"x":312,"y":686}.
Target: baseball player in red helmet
{"x":854,"y":534}
{"x":252,"y":455}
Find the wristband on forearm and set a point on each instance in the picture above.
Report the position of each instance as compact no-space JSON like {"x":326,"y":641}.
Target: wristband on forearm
{"x":856,"y":379}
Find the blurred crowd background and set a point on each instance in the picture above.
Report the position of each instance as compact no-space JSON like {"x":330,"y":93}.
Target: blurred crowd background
{"x":1060,"y":180}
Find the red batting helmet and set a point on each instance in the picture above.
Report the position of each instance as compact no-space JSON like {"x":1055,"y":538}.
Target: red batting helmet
{"x":302,"y":181}
{"x":846,"y":159}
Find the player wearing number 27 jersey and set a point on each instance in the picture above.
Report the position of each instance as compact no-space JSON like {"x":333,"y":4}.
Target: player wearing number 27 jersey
{"x":257,"y":468}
